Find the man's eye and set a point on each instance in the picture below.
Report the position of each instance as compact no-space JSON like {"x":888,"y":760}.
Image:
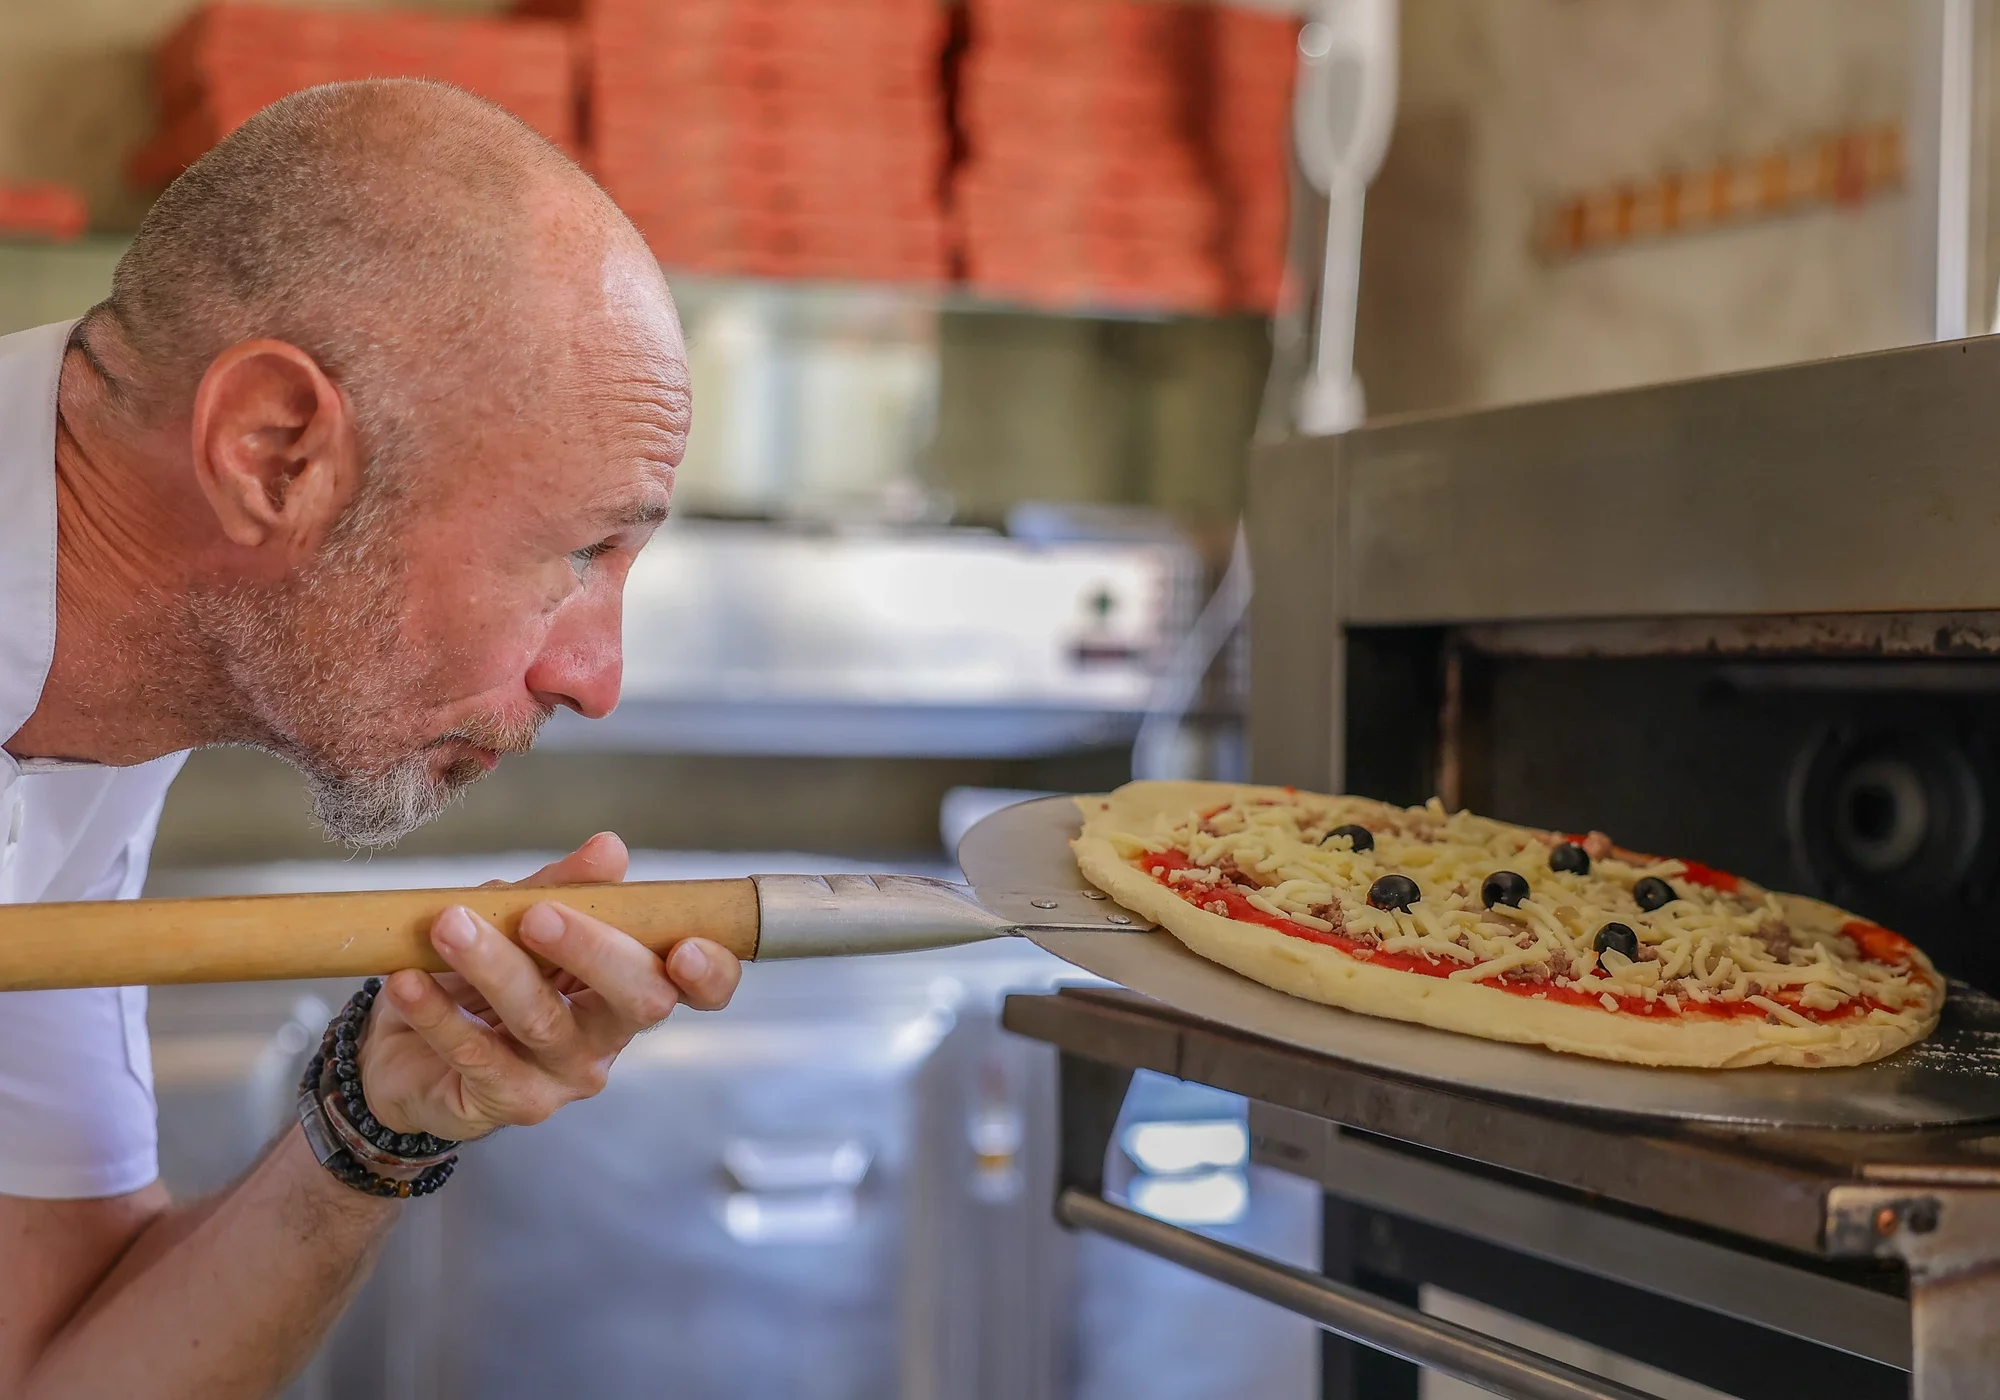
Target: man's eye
{"x":580,"y":559}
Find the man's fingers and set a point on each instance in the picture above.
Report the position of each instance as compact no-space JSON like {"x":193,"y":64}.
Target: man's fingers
{"x":629,"y":981}
{"x":707,"y":973}
{"x":601,"y":860}
{"x":460,"y":1039}
{"x":532,"y":1011}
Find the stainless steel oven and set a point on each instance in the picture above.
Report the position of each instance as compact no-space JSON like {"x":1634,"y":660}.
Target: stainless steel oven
{"x":1754,"y":620}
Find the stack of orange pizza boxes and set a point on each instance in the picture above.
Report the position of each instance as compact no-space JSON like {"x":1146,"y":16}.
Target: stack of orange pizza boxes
{"x":1084,"y":178}
{"x":42,"y":210}
{"x":1254,"y":60}
{"x":1125,"y":152}
{"x":227,"y":60}
{"x":782,"y":138}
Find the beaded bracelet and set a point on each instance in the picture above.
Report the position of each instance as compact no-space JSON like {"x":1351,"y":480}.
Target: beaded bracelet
{"x":349,"y":1141}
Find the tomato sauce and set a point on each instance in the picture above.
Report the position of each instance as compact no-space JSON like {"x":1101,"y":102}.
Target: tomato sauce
{"x":1876,"y":943}
{"x":1695,"y":873}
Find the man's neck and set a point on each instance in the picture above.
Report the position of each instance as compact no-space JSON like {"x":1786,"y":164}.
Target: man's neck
{"x":125,"y":665}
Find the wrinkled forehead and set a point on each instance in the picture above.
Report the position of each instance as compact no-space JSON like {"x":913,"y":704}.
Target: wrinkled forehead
{"x":635,"y":299}
{"x":606,"y":367}
{"x":577,"y":386}
{"x":626,"y":351}
{"x":582,"y":246}
{"x":587,"y":445}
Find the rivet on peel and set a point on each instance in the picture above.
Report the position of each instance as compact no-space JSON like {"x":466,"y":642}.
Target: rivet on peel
{"x":1043,"y":903}
{"x":1119,"y":918}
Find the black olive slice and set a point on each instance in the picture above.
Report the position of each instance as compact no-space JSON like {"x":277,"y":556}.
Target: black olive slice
{"x":1504,"y":887}
{"x":1619,"y":938}
{"x":1394,"y":892}
{"x":1360,"y":837}
{"x":1570,"y":858}
{"x":1653,"y":893}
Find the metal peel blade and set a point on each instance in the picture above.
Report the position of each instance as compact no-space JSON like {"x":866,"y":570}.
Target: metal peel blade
{"x":817,"y":916}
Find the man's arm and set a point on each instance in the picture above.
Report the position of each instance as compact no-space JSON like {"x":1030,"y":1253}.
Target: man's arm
{"x":223,"y":1298}
{"x":226,"y":1298}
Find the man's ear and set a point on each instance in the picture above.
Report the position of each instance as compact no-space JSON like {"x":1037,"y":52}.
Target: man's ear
{"x":274,"y":448}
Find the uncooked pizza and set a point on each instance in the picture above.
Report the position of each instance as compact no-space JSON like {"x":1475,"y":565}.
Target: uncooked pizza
{"x":1472,"y":925}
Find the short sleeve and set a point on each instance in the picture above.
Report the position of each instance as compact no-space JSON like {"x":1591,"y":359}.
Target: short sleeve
{"x":77,"y":1113}
{"x":77,"y":1116}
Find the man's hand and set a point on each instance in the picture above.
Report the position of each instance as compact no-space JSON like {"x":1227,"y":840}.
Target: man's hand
{"x":497,"y":1042}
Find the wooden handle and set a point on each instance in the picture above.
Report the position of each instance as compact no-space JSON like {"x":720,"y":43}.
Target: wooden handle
{"x":262,"y":937}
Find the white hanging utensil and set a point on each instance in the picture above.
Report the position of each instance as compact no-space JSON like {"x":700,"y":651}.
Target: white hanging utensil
{"x":1343,"y":112}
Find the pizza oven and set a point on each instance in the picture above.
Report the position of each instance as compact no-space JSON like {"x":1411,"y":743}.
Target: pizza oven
{"x":1751,"y":620}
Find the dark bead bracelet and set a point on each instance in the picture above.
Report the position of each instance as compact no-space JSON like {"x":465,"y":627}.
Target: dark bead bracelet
{"x":351,"y":1173}
{"x":347,"y":1139}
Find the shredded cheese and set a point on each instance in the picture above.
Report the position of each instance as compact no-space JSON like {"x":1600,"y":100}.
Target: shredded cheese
{"x":1707,"y":945}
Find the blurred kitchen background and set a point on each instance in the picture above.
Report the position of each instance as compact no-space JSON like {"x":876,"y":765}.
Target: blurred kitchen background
{"x":985,"y":302}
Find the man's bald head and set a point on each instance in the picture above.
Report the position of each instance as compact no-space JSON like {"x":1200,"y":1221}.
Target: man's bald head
{"x":397,"y":231}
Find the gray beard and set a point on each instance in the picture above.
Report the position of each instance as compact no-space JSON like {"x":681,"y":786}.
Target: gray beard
{"x":377,"y":809}
{"x":380,"y":809}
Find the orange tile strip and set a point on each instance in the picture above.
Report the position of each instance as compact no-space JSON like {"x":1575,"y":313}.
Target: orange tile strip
{"x":1845,"y":168}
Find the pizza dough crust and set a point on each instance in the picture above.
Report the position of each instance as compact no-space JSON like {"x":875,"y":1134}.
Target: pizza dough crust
{"x":1318,"y":972}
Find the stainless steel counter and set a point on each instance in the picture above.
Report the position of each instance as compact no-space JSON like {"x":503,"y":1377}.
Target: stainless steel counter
{"x":754,"y":639}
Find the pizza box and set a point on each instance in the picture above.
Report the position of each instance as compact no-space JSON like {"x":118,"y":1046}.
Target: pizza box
{"x":846,"y":267}
{"x":226,"y":62}
{"x":42,"y":209}
{"x":219,"y":41}
{"x":901,"y":200}
{"x":913,"y":115}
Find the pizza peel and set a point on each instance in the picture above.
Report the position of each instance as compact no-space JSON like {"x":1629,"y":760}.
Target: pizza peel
{"x":1022,"y":880}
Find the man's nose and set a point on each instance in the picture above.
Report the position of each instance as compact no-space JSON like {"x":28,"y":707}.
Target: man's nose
{"x":582,"y":663}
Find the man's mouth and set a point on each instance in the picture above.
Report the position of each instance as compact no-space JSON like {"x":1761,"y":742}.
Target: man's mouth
{"x":476,"y":749}
{"x":454,"y":751}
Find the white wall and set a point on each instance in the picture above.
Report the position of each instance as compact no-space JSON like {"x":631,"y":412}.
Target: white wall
{"x":1508,"y":104}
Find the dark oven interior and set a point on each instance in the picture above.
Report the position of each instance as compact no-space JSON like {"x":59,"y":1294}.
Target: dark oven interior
{"x":1872,"y":783}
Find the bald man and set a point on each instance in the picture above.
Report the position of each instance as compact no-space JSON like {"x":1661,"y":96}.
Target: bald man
{"x":349,"y":467}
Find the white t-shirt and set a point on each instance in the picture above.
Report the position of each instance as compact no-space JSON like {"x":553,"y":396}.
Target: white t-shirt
{"x":76,"y":1071}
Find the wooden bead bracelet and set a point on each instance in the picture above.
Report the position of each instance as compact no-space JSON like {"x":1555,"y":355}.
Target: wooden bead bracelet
{"x":349,"y":1141}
